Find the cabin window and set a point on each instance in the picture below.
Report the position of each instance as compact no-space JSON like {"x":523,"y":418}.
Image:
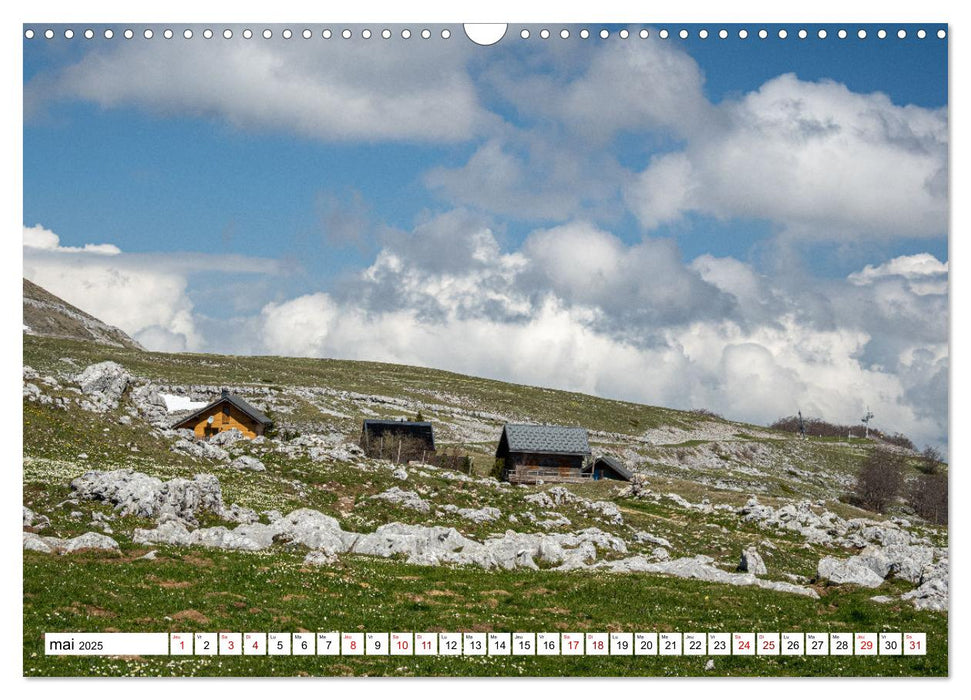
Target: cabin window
{"x":226,"y":410}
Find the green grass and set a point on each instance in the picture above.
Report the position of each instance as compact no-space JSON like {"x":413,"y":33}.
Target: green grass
{"x":201,"y":590}
{"x":206,"y":590}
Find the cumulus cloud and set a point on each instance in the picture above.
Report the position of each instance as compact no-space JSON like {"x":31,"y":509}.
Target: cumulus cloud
{"x":576,"y":308}
{"x":924,"y":273}
{"x":146,"y":295}
{"x":814,"y":157}
{"x":40,"y":238}
{"x":328,"y":90}
{"x":531,"y":176}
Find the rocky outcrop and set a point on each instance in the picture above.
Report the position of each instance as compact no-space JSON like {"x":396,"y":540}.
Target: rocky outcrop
{"x":559,"y":495}
{"x":405,"y":499}
{"x":751,"y":562}
{"x":847,"y":571}
{"x":702,"y":568}
{"x":200,"y":449}
{"x":247,"y":463}
{"x":56,"y":545}
{"x":35,"y":520}
{"x":103,"y":384}
{"x":476,"y":515}
{"x":134,"y":493}
{"x":227,"y":438}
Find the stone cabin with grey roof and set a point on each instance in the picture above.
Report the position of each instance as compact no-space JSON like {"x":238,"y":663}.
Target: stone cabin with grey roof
{"x":534,"y":454}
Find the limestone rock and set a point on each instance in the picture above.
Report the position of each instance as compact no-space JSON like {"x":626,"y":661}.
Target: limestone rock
{"x":34,"y":520}
{"x":405,"y":499}
{"x":104,"y":384}
{"x":245,"y":462}
{"x":752,"y":562}
{"x":135,"y":493}
{"x":847,"y":571}
{"x":226,"y":438}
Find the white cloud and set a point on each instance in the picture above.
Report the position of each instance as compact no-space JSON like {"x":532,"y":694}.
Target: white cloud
{"x":42,"y":239}
{"x":814,"y":157}
{"x":328,"y":90}
{"x":146,"y":295}
{"x":542,"y":315}
{"x":924,"y":273}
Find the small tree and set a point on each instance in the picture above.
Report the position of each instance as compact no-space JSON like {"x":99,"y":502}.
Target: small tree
{"x":928,"y":497}
{"x":880,"y":480}
{"x":930,"y":460}
{"x":419,"y":418}
{"x":498,"y":468}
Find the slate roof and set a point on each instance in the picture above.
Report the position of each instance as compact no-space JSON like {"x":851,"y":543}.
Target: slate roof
{"x":421,"y":429}
{"x":236,"y":401}
{"x":546,"y":439}
{"x":616,"y":465}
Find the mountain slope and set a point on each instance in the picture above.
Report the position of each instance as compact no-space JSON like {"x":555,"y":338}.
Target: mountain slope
{"x":48,"y":315}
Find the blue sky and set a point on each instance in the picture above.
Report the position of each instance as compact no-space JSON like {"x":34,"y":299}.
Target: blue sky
{"x":699,"y":213}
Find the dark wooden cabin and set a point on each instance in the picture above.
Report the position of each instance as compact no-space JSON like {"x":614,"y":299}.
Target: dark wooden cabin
{"x":226,"y":412}
{"x":397,"y":440}
{"x":543,"y":453}
{"x":608,"y":467}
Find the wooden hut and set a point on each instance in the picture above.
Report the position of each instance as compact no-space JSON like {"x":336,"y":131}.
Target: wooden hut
{"x":608,"y":467}
{"x":226,"y":412}
{"x":543,"y":453}
{"x":398,"y":440}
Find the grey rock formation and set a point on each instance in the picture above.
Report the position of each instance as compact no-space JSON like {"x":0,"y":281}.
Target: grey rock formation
{"x":103,"y":384}
{"x":476,"y":515}
{"x":319,"y":559}
{"x":702,"y":568}
{"x":226,"y":438}
{"x":647,"y":538}
{"x":200,"y":449}
{"x":247,"y":463}
{"x":134,"y":493}
{"x":751,"y":562}
{"x":847,"y":571}
{"x":34,"y":520}
{"x":405,"y":499}
{"x":50,"y":545}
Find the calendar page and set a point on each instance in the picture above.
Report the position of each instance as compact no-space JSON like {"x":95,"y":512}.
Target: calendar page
{"x":520,"y":350}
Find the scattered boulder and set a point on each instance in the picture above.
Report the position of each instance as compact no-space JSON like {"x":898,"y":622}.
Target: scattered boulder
{"x":702,"y":568}
{"x":135,"y":493}
{"x":405,"y":499}
{"x":319,"y":559}
{"x":103,"y":384}
{"x":226,"y":438}
{"x":847,"y":571}
{"x":930,"y":595}
{"x":34,"y":520}
{"x":51,"y":545}
{"x":247,"y":463}
{"x":200,"y":449}
{"x":751,"y":562}
{"x":647,"y":538}
{"x":480,"y":515}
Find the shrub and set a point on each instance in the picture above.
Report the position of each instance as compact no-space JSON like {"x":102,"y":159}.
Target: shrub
{"x":498,"y":468}
{"x":900,"y":440}
{"x":928,"y":497}
{"x":880,"y":480}
{"x":930,"y":460}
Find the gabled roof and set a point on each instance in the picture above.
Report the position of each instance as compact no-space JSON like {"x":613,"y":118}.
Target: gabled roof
{"x":614,"y":464}
{"x":546,"y":439}
{"x":421,"y":429}
{"x":236,"y":401}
